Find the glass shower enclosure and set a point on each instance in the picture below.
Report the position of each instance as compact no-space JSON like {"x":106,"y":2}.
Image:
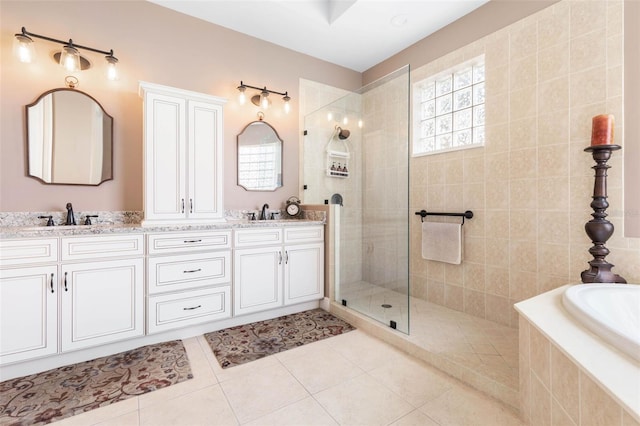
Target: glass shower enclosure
{"x":356,"y":158}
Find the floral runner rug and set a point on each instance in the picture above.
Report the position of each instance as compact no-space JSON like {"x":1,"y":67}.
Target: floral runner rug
{"x":244,"y":343}
{"x":66,"y":391}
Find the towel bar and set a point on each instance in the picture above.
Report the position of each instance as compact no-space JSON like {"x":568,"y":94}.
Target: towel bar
{"x":422,"y":213}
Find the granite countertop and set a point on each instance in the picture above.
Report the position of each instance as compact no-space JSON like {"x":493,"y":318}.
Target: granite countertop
{"x":102,"y":229}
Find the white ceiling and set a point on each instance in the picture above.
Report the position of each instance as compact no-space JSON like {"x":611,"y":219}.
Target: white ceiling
{"x":356,"y":34}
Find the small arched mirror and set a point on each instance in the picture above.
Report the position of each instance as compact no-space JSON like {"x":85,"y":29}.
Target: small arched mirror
{"x":69,"y":139}
{"x":259,"y":157}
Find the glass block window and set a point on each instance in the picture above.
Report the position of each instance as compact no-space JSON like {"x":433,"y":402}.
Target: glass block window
{"x":448,"y":110}
{"x":256,"y":164}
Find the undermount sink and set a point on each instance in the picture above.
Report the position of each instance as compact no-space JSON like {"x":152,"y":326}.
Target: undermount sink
{"x":612,"y":311}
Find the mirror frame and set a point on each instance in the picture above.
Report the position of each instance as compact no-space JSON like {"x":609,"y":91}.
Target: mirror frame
{"x":238,"y":157}
{"x":110,"y":142}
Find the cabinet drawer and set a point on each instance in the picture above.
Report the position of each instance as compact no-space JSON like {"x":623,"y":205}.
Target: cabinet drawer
{"x":303,"y":234}
{"x":20,"y":252}
{"x":182,"y":272}
{"x":188,"y":241}
{"x":258,"y":237}
{"x":102,"y":246}
{"x":170,"y":311}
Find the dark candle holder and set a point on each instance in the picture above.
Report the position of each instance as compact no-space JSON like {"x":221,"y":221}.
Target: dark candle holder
{"x":599,"y":229}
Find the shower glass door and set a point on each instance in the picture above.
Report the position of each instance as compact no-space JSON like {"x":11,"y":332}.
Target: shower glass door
{"x":364,"y":172}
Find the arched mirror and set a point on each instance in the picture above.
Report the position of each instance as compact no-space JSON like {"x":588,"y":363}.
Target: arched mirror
{"x":69,"y":139}
{"x":259,"y":157}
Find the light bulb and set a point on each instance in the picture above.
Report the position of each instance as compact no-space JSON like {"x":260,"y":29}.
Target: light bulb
{"x":242,"y":98}
{"x":23,"y":48}
{"x":112,"y":71}
{"x":70,"y":58}
{"x":264,"y":101}
{"x":345,"y":120}
{"x":329,"y":116}
{"x":287,"y":106}
{"x":360,"y":124}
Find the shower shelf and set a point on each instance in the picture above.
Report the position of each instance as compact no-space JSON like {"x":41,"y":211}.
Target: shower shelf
{"x":338,"y":159}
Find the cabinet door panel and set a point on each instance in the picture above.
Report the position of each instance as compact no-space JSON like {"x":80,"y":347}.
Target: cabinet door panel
{"x":304,"y":273}
{"x":21,"y":252}
{"x":165,"y":157}
{"x":307,"y":234}
{"x":257,"y":279}
{"x":28,"y":313}
{"x":102,"y":246}
{"x":257,"y":237}
{"x":205,"y":159}
{"x":102,"y":302}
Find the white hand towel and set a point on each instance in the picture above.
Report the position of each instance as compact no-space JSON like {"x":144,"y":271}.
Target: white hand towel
{"x":442,"y":242}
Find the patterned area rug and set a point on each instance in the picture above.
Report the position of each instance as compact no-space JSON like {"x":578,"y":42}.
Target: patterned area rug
{"x":244,"y":343}
{"x":66,"y":391}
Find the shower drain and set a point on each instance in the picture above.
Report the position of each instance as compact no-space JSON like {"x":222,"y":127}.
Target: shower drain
{"x":386,"y":305}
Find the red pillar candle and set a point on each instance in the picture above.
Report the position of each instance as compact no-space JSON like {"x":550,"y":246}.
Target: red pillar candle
{"x":602,"y":130}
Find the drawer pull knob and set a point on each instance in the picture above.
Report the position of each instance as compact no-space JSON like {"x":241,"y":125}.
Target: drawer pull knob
{"x":192,"y":241}
{"x":192,"y":271}
{"x":51,"y":283}
{"x":192,"y":308}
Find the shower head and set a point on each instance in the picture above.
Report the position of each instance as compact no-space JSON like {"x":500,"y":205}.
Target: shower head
{"x":342,"y":133}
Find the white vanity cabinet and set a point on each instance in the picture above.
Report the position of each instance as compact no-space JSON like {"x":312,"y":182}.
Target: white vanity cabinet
{"x":101,"y":290}
{"x":183,"y":141}
{"x":304,"y":264}
{"x":91,"y":291}
{"x":189,"y":279}
{"x":274,"y":267}
{"x":28,"y":299}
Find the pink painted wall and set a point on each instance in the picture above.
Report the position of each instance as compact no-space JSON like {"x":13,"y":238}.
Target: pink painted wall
{"x":157,"y":45}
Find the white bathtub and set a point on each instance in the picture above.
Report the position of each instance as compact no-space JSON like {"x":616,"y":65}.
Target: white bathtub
{"x":612,"y":311}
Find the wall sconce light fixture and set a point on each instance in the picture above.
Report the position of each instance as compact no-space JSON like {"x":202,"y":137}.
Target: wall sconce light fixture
{"x":69,"y":57}
{"x":262,"y":100}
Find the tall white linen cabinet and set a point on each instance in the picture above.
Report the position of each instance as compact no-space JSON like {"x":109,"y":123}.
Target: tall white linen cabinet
{"x":183,"y":141}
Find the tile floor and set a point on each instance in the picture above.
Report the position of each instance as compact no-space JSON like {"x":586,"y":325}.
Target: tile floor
{"x":351,"y":379}
{"x":489,"y":348}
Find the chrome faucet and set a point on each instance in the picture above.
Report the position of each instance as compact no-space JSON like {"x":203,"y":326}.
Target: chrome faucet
{"x":263,"y":215}
{"x":71,"y":220}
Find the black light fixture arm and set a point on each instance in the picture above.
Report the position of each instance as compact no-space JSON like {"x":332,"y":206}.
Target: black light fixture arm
{"x":69,"y":43}
{"x":262,"y":89}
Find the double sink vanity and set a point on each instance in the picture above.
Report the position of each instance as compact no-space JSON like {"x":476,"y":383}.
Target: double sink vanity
{"x":73,"y":293}
{"x":81,"y":290}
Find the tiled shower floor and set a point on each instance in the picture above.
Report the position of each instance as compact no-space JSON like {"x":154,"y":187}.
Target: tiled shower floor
{"x":489,"y":349}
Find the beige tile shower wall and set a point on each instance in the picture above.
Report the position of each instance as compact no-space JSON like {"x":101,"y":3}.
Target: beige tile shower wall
{"x":555,"y":391}
{"x":530,"y":186}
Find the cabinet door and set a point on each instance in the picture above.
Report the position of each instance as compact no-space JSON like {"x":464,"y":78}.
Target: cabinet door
{"x":28,"y":313}
{"x":205,"y":161}
{"x":102,"y":302}
{"x":257,"y":279}
{"x":165,"y":157}
{"x":303,"y":273}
